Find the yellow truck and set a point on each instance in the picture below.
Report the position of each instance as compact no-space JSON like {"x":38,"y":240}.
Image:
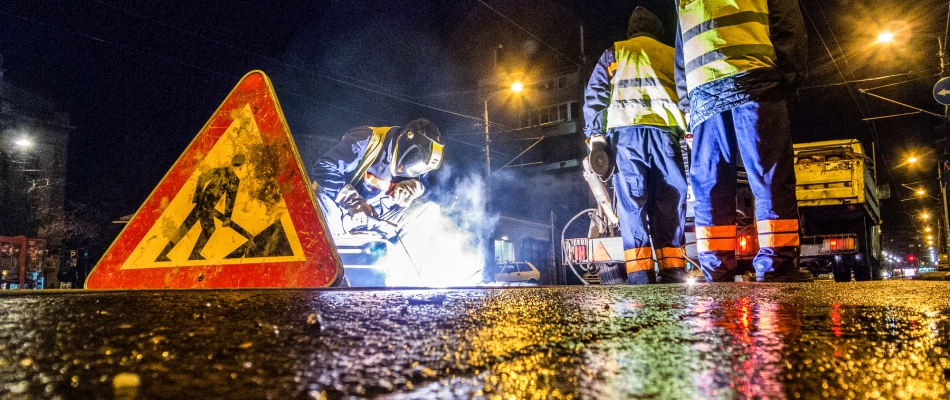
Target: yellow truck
{"x":840,"y":206}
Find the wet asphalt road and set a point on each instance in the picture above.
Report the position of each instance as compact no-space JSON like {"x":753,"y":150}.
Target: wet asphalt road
{"x":738,"y":340}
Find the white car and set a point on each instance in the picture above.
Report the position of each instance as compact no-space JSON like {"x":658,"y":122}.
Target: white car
{"x":517,"y":272}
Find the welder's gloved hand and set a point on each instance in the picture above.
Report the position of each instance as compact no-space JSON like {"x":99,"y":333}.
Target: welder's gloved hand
{"x":406,"y":191}
{"x":355,"y":205}
{"x":600,"y":160}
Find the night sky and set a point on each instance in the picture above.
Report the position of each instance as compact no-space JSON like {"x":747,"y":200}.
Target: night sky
{"x":140,"y":78}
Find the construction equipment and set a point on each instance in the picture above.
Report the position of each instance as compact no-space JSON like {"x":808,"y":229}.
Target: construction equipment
{"x":840,"y":206}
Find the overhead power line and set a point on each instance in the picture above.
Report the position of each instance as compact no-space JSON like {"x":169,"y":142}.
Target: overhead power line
{"x":528,"y":32}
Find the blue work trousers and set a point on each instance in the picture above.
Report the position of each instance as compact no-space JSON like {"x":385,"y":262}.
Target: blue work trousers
{"x":759,"y":133}
{"x":651,"y":191}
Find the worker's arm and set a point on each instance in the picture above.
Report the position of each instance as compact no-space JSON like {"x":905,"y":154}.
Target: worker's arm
{"x":597,"y":95}
{"x":679,"y":72}
{"x":331,"y":170}
{"x":788,"y":35}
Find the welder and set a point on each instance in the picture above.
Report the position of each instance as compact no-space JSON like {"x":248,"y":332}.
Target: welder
{"x":631,"y":111}
{"x":375,"y":173}
{"x":738,"y":64}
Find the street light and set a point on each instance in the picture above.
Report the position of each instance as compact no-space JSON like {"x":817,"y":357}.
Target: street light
{"x":885,"y":37}
{"x":23,"y":143}
{"x":515,"y":87}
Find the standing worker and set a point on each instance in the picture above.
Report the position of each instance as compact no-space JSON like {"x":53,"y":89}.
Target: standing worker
{"x":737,"y":63}
{"x":632,"y":95}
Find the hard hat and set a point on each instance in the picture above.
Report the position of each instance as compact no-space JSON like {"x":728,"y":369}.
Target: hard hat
{"x":417,"y":149}
{"x":642,"y":21}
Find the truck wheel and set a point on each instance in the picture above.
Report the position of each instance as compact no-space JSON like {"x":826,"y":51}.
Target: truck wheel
{"x":841,"y":271}
{"x":861,"y":267}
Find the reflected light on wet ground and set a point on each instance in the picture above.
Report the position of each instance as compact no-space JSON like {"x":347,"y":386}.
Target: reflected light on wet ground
{"x":707,"y":341}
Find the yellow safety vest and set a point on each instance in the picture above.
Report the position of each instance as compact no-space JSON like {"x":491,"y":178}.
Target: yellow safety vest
{"x":372,"y":151}
{"x":643,"y":91}
{"x":722,"y":38}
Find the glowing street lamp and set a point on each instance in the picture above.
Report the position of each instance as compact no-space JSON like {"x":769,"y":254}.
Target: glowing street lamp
{"x":23,"y":143}
{"x":927,"y":229}
{"x":925,"y":215}
{"x":912,"y":160}
{"x":517,"y":87}
{"x":920,"y":192}
{"x":885,"y":37}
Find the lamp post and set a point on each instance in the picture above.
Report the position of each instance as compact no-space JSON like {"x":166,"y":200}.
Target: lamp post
{"x":516,"y":87}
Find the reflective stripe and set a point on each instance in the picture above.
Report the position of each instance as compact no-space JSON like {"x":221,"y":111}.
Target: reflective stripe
{"x":779,"y":240}
{"x":723,"y":38}
{"x":724,"y":21}
{"x":716,"y":244}
{"x":639,"y":259}
{"x":726,"y":52}
{"x":694,"y":12}
{"x":777,"y":225}
{"x":716,"y":231}
{"x":375,"y":182}
{"x":638,"y":253}
{"x":643,"y":91}
{"x":671,"y":257}
{"x":639,"y":265}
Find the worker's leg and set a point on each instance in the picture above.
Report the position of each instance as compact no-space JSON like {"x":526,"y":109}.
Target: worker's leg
{"x":765,"y":142}
{"x":667,"y":207}
{"x":206,"y":219}
{"x":183,"y":229}
{"x":713,"y":175}
{"x":630,"y":183}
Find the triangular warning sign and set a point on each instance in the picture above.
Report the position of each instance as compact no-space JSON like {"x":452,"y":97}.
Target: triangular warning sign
{"x":600,"y":253}
{"x":235,"y":210}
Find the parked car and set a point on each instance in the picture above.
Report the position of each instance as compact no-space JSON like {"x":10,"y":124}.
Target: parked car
{"x":518,"y":272}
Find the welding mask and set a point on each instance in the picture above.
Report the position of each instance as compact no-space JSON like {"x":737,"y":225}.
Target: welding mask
{"x":417,"y":150}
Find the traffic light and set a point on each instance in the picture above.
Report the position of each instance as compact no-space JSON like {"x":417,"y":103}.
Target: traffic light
{"x":911,"y":258}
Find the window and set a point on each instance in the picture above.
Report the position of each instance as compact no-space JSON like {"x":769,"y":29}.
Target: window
{"x":575,"y":111}
{"x":562,"y":112}
{"x":523,"y":267}
{"x":504,"y":251}
{"x":509,"y":269}
{"x":562,"y":82}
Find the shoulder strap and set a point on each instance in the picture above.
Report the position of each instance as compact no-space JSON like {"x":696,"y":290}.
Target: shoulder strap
{"x":372,"y":151}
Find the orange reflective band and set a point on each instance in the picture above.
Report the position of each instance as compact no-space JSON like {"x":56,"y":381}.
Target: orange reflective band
{"x":672,"y":263}
{"x":640,"y":265}
{"x":779,"y":240}
{"x":638,"y":253}
{"x":612,"y":68}
{"x":777,"y":225}
{"x":671,"y":257}
{"x":670,"y":252}
{"x":715,"y":244}
{"x":720,"y":231}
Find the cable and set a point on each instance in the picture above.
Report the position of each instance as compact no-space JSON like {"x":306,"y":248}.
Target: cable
{"x":564,"y":232}
{"x":529,"y":33}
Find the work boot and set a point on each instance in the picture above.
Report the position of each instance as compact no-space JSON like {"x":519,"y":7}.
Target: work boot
{"x":672,"y":275}
{"x":641,"y":277}
{"x":798,"y":275}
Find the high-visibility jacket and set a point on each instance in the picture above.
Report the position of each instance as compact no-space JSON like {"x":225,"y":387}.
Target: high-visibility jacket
{"x":723,"y":38}
{"x":643,"y":91}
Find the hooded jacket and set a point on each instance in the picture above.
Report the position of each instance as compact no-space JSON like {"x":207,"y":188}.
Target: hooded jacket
{"x":787,"y":35}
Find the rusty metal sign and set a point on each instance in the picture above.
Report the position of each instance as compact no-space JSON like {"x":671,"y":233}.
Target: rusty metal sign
{"x":235,"y":210}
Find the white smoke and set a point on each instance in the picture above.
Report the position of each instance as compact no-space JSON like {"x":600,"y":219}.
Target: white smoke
{"x":446,"y":241}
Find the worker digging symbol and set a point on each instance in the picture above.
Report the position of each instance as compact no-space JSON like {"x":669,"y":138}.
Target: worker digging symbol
{"x":212,"y":186}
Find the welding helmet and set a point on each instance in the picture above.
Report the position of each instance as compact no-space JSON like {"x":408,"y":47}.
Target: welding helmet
{"x":417,"y":149}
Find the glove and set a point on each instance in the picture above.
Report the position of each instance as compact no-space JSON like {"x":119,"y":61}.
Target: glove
{"x":355,"y":205}
{"x":600,"y":160}
{"x":406,"y":191}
